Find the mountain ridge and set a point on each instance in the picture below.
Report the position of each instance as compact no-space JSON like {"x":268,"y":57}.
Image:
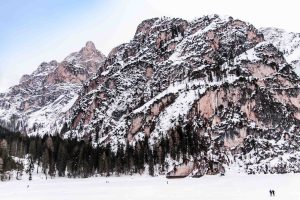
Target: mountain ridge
{"x":211,"y":91}
{"x":175,"y":78}
{"x":50,"y":85}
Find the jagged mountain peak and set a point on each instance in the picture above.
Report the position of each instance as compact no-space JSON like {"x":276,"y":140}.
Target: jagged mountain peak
{"x":169,"y":49}
{"x":90,"y":46}
{"x":90,"y":51}
{"x":215,"y":80}
{"x":87,"y":53}
{"x":145,"y":25}
{"x":40,"y":99}
{"x":214,"y":77}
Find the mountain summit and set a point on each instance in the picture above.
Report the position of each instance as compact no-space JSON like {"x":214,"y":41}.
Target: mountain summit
{"x":210,"y":87}
{"x":39,"y":100}
{"x":197,"y":95}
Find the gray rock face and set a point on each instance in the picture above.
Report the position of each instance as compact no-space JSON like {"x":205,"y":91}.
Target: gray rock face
{"x":287,"y":42}
{"x":36,"y":105}
{"x":216,"y":78}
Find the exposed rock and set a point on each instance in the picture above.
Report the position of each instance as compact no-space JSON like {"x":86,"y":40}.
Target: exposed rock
{"x":37,"y":104}
{"x":215,"y":80}
{"x":216,"y":77}
{"x":287,"y":42}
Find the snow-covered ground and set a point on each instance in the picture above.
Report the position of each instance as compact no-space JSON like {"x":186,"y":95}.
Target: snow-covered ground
{"x":231,"y":186}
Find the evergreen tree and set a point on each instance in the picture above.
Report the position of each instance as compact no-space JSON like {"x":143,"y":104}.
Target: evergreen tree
{"x":62,"y":159}
{"x":151,"y":163}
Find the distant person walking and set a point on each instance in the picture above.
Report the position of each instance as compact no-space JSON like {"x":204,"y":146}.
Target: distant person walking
{"x":272,"y":193}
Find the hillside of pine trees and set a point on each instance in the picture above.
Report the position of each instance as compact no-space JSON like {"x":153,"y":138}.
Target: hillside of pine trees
{"x":73,"y":158}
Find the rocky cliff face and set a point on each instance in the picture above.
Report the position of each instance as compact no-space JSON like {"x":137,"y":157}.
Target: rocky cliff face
{"x":200,"y":94}
{"x":215,"y":78}
{"x":287,"y":42}
{"x":37,"y":103}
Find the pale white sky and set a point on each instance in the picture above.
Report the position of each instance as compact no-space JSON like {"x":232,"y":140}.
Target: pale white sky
{"x":35,"y":32}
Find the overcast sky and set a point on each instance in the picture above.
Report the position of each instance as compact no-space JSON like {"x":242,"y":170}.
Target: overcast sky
{"x":33,"y":31}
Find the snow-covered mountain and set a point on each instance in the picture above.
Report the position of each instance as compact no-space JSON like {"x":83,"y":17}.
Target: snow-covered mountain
{"x":213,"y":91}
{"x":215,"y":78}
{"x":36,"y":105}
{"x":287,"y":42}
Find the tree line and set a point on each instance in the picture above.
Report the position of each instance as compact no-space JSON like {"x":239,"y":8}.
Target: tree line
{"x":78,"y":158}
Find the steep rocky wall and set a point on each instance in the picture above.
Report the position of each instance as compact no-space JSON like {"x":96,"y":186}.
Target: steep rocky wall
{"x":37,"y":105}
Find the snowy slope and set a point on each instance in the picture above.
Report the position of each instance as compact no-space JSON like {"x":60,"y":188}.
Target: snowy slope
{"x":214,"y":77}
{"x":287,"y":42}
{"x":37,"y":104}
{"x":233,"y":186}
{"x":218,"y":80}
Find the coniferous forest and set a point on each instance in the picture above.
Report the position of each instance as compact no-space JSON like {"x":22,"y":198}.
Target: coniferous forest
{"x":73,"y":158}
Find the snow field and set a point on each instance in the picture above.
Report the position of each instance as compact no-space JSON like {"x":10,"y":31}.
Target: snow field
{"x":232,"y":186}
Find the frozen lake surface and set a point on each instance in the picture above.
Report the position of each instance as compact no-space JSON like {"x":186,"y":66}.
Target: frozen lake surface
{"x":231,"y":186}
